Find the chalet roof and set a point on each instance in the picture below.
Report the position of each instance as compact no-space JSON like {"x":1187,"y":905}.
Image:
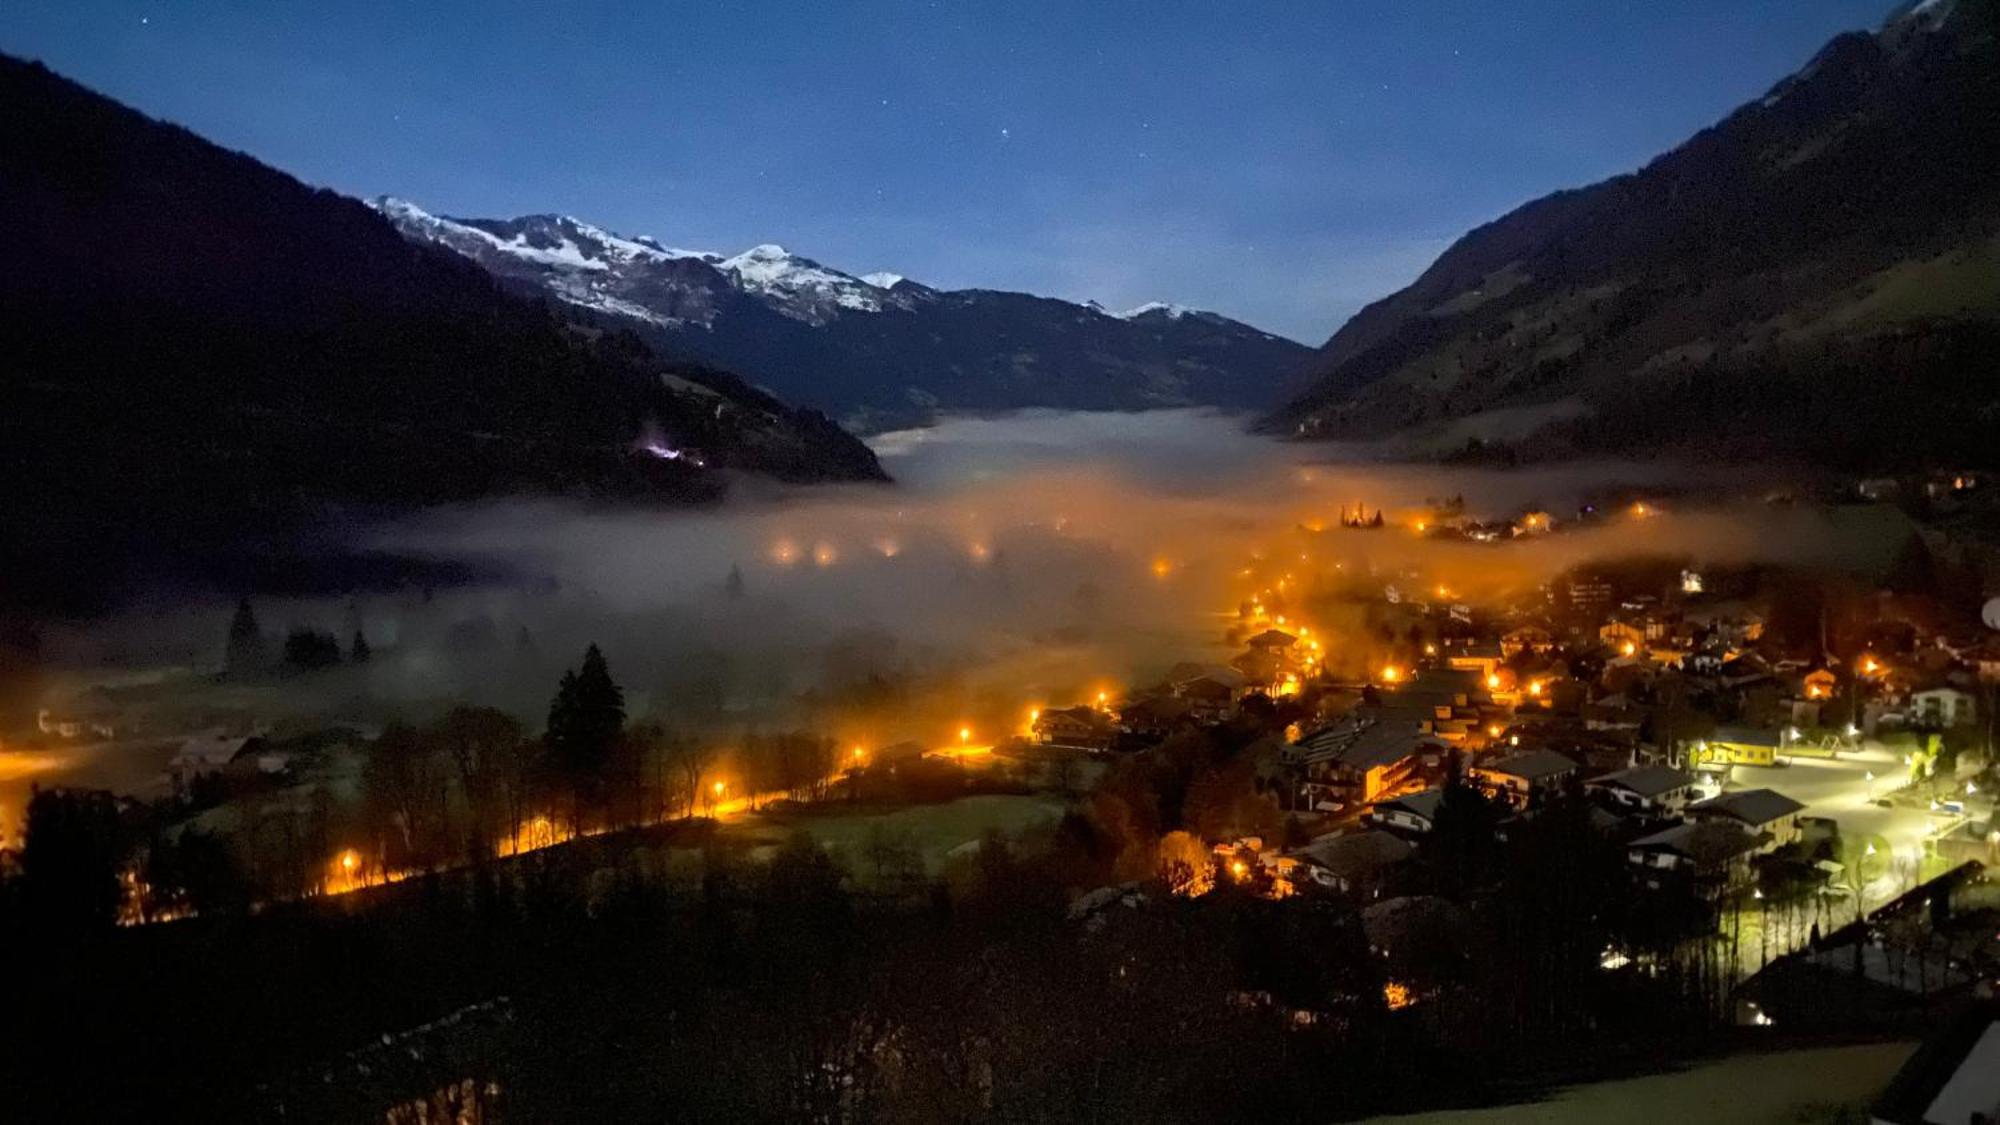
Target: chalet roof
{"x":1187,"y":672}
{"x":1355,"y":855}
{"x":1706,"y":842}
{"x":1754,"y":807}
{"x":1530,"y":765}
{"x":900,"y":750}
{"x":1422,"y":804}
{"x":1646,"y":781}
{"x":209,"y":749}
{"x":1273,"y":638}
{"x":1364,"y":744}
{"x":1085,"y":715}
{"x":1154,"y":707}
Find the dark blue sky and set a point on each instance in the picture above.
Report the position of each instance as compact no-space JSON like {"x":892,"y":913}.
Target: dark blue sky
{"x":1280,"y":162}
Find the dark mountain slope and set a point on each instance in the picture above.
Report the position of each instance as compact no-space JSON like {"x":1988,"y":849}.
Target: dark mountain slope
{"x":197,"y":346}
{"x":1855,"y":205}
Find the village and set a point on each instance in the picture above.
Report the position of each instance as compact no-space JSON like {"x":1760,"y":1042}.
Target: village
{"x":1791,"y":769}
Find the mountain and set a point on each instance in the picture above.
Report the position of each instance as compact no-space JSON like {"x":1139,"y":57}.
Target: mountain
{"x":199,"y":347}
{"x":1817,"y":275}
{"x":878,"y":349}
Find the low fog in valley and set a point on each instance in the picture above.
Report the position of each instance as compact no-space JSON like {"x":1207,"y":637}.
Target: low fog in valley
{"x":1020,"y":561}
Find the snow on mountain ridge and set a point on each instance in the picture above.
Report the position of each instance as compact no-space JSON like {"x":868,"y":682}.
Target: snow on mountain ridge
{"x":796,"y":286}
{"x":1172,"y":310}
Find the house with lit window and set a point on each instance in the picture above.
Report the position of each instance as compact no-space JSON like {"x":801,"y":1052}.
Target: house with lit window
{"x":1739,"y":746}
{"x":1361,"y":758}
{"x":1521,"y":778}
{"x":1354,"y":863}
{"x":1412,"y":812}
{"x":1078,"y":728}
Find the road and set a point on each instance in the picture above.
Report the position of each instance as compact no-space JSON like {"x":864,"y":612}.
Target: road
{"x":1842,"y":790}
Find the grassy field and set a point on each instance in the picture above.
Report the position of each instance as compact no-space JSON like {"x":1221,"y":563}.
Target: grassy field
{"x":934,"y":829}
{"x":1786,"y":1088}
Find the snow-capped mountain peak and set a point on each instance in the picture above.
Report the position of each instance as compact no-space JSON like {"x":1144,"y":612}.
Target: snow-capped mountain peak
{"x":806,"y":288}
{"x":588,"y":265}
{"x":1173,"y":311}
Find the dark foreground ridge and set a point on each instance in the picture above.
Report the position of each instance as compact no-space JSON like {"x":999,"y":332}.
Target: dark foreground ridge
{"x":200,"y":347}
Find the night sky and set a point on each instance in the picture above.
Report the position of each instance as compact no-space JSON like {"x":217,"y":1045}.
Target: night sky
{"x":1284,"y":163}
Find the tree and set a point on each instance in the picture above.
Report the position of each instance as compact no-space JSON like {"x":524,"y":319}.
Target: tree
{"x":733,"y":585}
{"x":690,"y":758}
{"x":1460,"y":852}
{"x":402,"y":786}
{"x":480,"y":743}
{"x":70,"y":860}
{"x":245,"y":654}
{"x":193,"y":871}
{"x":309,"y":650}
{"x":587,"y":715}
{"x":1184,"y":864}
{"x":585,"y":721}
{"x":358,"y":651}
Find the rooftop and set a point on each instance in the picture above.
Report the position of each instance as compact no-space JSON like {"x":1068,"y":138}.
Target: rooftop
{"x":1423,"y":803}
{"x":1754,"y":807}
{"x":1532,"y":765}
{"x":1356,"y":854}
{"x":1707,"y":842}
{"x":1646,"y":781}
